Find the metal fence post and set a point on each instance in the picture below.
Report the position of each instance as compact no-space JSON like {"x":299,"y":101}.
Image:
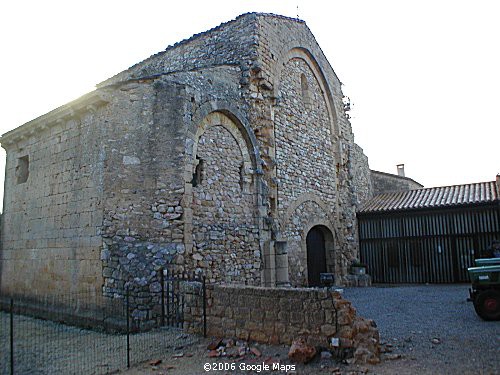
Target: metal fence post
{"x":168,"y":297}
{"x":162,"y":281}
{"x":204,"y":286}
{"x":128,"y":327}
{"x":11,"y":336}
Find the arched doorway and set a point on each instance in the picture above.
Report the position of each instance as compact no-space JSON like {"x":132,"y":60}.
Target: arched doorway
{"x":316,"y":255}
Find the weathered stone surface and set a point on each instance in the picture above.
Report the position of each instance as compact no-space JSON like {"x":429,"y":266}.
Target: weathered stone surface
{"x":301,"y":352}
{"x":218,"y":156}
{"x":229,"y":315}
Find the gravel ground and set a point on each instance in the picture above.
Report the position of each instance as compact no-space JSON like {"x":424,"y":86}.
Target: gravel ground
{"x":409,"y":318}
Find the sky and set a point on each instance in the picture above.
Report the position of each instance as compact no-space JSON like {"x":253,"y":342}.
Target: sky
{"x":423,"y":76}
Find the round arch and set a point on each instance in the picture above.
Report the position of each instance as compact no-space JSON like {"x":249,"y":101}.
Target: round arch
{"x":208,"y":111}
{"x":250,"y":171}
{"x":221,"y":119}
{"x":319,"y":246}
{"x":308,"y":58}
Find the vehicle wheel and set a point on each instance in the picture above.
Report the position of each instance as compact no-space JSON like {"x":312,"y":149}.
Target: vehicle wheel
{"x":487,"y":305}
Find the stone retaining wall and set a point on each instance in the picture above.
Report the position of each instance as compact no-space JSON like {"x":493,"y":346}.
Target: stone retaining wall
{"x":280,"y":315}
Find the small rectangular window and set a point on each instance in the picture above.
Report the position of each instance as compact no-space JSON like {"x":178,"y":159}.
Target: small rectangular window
{"x":22,"y":169}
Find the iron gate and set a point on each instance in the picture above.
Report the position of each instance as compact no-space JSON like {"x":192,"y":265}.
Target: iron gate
{"x":175,"y":288}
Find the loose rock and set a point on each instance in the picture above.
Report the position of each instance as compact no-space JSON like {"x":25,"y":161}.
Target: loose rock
{"x":301,"y":352}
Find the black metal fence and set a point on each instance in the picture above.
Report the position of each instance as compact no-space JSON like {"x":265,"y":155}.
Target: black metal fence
{"x":173,"y":293}
{"x":82,"y":333}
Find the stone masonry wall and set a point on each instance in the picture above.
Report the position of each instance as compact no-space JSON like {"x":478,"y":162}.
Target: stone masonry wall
{"x":362,"y":184}
{"x":51,"y":238}
{"x":143,"y":227}
{"x":226,"y":238}
{"x":232,"y":43}
{"x":262,"y":58}
{"x":280,"y":315}
{"x":285,"y":105}
{"x":389,"y":183}
{"x":305,"y":161}
{"x":110,"y":197}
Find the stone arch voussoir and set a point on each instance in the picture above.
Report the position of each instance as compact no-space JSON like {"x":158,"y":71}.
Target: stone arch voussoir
{"x":226,"y":111}
{"x":305,"y":55}
{"x":307,"y":197}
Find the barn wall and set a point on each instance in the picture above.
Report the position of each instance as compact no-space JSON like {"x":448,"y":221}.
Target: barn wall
{"x":426,"y":246}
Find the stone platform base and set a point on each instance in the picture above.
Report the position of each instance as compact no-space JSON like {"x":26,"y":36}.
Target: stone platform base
{"x":357,"y":280}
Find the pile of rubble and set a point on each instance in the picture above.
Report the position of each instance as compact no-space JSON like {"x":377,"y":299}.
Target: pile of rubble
{"x":300,"y":352}
{"x":230,"y":348}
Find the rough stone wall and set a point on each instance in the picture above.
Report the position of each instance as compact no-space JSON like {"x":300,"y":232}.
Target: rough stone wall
{"x":259,"y":102}
{"x":305,"y":160}
{"x":225,"y":233}
{"x":389,"y":183}
{"x":51,"y":238}
{"x":161,"y":133}
{"x":232,"y":43}
{"x":253,"y":68}
{"x":143,"y":225}
{"x":304,"y":149}
{"x":362,"y":178}
{"x":281,"y":108}
{"x":280,"y":315}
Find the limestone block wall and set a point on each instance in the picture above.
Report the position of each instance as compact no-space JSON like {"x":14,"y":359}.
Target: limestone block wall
{"x":53,"y":209}
{"x":143,"y":226}
{"x":280,"y":315}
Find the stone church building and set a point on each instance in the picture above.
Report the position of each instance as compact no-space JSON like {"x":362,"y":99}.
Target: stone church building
{"x":228,"y":153}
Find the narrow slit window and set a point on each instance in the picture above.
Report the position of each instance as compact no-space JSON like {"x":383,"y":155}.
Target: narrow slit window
{"x":242,"y":176}
{"x":22,"y":169}
{"x":306,"y":95}
{"x":197,"y":175}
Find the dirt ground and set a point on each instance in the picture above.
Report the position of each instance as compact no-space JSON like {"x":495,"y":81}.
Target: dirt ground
{"x":194,"y":360}
{"x":427,"y":329}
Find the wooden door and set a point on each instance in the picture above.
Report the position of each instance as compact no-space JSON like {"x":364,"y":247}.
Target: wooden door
{"x":316,"y":257}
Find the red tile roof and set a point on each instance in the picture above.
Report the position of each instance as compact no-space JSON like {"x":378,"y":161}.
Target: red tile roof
{"x":445,"y":196}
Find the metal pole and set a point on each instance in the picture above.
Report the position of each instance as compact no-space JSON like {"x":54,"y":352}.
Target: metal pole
{"x":128,"y":328}
{"x":168,"y":298}
{"x":162,"y":281}
{"x":11,"y":336}
{"x":204,"y":285}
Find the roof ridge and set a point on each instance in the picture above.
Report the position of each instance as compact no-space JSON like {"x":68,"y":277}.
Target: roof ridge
{"x":196,"y":36}
{"x":434,"y":197}
{"x":180,"y":43}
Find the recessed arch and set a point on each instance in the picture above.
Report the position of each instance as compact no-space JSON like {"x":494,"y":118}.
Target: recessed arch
{"x":233,"y":113}
{"x":221,"y":119}
{"x":226,"y":198}
{"x":300,"y":201}
{"x":308,"y":58}
{"x":319,"y":243}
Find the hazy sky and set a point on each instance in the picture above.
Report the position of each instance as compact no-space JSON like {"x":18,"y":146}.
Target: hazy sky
{"x":423,"y":76}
